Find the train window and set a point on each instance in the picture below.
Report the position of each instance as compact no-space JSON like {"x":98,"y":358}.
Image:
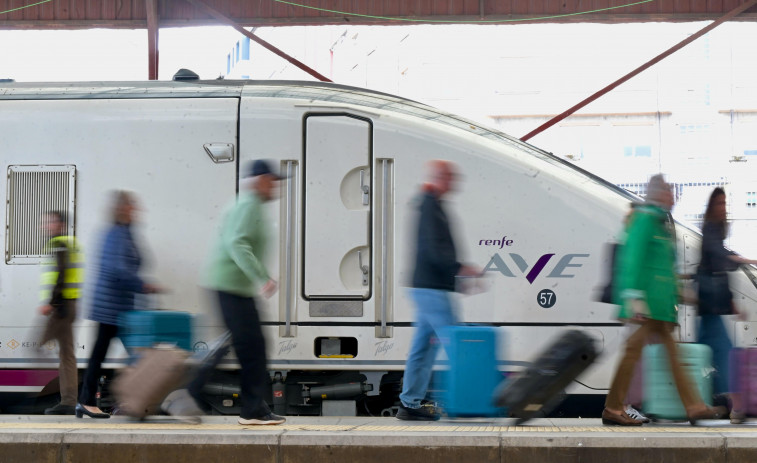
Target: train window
{"x":32,"y":191}
{"x":329,"y":347}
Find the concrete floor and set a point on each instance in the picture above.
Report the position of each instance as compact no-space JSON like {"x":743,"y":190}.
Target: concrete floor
{"x":33,"y":438}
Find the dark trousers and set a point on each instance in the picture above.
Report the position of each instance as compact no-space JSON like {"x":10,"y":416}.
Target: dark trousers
{"x":241,"y":317}
{"x":105,"y":333}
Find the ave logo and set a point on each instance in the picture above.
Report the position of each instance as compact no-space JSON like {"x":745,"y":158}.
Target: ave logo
{"x":560,"y":269}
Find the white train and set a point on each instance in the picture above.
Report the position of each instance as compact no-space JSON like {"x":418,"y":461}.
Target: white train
{"x":343,"y":225}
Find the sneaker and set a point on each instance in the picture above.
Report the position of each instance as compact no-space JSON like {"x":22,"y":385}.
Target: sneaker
{"x":635,"y":414}
{"x":417,"y":414}
{"x":270,"y":418}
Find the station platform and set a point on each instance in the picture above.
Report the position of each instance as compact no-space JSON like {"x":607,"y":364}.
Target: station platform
{"x":35,"y":438}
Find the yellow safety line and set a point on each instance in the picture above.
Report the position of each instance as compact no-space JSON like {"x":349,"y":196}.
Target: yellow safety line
{"x":385,"y":428}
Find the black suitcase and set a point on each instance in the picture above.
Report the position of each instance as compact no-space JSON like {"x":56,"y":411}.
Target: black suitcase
{"x":204,"y":362}
{"x":536,"y":391}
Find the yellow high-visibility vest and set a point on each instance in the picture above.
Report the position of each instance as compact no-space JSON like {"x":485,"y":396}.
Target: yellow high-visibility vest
{"x":73,"y":275}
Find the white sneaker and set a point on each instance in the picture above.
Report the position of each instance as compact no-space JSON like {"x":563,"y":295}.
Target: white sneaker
{"x":635,"y":414}
{"x":270,"y":418}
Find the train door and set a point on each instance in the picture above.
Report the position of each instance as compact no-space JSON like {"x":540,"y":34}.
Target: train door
{"x":336,"y":215}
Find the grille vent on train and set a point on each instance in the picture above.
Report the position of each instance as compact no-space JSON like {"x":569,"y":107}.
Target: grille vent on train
{"x":32,"y":191}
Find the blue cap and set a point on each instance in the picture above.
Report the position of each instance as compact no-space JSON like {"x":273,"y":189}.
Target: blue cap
{"x":261,"y":167}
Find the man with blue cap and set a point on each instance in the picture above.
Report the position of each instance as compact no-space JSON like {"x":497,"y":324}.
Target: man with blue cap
{"x":237,"y":274}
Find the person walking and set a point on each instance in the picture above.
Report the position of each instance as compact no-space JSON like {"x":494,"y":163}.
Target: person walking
{"x":236,"y":271}
{"x":436,"y":266}
{"x":117,"y":283}
{"x":632,"y":398}
{"x":715,"y":298}
{"x":648,"y":292}
{"x":60,"y":291}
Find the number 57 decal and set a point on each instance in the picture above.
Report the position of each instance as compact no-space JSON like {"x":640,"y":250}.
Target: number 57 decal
{"x":546,"y":298}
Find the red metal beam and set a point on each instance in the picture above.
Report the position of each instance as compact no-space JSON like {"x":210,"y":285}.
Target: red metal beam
{"x":735,"y":12}
{"x":152,"y":39}
{"x":220,"y":17}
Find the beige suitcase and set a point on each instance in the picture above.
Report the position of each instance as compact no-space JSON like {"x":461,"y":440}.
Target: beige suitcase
{"x":140,"y":389}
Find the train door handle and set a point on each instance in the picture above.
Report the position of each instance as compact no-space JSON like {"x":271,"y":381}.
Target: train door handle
{"x":363,"y":268}
{"x":364,"y":188}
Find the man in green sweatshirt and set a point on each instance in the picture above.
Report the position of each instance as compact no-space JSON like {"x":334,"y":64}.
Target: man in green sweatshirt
{"x":235,"y":273}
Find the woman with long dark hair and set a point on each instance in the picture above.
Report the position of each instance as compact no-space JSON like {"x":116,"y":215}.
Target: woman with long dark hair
{"x":715,"y":298}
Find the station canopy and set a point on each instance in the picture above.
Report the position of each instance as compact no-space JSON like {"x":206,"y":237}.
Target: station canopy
{"x":134,"y":14}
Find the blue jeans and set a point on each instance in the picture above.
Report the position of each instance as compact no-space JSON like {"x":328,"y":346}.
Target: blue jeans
{"x":712,"y":333}
{"x":433,"y":314}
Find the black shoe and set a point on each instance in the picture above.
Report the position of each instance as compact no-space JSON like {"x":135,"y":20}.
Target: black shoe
{"x":60,"y":409}
{"x":417,"y":414}
{"x":708,"y":413}
{"x":81,"y":411}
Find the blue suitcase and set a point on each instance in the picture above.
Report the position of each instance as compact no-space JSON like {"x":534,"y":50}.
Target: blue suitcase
{"x":473,"y":374}
{"x":661,"y":398}
{"x":145,"y":328}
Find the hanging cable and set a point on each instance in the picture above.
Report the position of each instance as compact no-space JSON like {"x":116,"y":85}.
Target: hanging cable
{"x":451,"y":21}
{"x":24,"y":7}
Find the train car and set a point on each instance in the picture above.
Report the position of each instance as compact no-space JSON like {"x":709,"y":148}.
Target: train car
{"x":342,"y":227}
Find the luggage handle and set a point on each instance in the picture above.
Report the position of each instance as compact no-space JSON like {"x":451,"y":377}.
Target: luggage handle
{"x":472,"y":284}
{"x":149,"y":301}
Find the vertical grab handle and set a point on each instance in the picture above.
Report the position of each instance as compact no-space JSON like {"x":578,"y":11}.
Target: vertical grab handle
{"x":386,"y":199}
{"x":288,"y":283}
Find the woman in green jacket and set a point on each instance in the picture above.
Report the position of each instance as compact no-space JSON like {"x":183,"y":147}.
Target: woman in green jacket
{"x":648,"y":292}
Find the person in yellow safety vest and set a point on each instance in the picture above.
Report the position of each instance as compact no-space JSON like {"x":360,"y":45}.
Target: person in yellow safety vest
{"x":62,"y":280}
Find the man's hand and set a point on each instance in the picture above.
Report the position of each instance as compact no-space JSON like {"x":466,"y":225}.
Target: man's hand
{"x":46,"y":309}
{"x":469,"y":271}
{"x":740,"y":314}
{"x":640,"y":309}
{"x":150,"y":288}
{"x":269,"y":288}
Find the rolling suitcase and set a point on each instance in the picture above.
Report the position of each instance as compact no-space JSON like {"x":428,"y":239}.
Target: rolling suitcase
{"x":661,"y":398}
{"x":203,"y":363}
{"x":472,"y":375}
{"x":743,"y":378}
{"x":537,"y":390}
{"x":140,"y":389}
{"x":144,"y":328}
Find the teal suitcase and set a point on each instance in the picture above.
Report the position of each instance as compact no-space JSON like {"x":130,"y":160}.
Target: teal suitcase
{"x":472,"y":376}
{"x":145,"y":328}
{"x":660,"y":393}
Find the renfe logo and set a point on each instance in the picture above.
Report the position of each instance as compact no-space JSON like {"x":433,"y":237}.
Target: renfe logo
{"x":497,"y":264}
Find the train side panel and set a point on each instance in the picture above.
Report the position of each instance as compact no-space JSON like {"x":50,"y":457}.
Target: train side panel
{"x":153,"y":147}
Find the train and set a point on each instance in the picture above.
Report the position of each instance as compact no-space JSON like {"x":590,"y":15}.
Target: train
{"x":340,"y":326}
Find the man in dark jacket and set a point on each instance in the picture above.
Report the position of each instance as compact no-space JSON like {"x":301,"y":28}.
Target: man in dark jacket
{"x":436,"y":266}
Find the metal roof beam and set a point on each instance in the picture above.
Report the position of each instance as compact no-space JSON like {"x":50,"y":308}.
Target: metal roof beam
{"x":733,"y":13}
{"x":152,"y":39}
{"x":228,"y":21}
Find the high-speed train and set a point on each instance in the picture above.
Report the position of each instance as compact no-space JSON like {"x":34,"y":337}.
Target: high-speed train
{"x":342,"y":227}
